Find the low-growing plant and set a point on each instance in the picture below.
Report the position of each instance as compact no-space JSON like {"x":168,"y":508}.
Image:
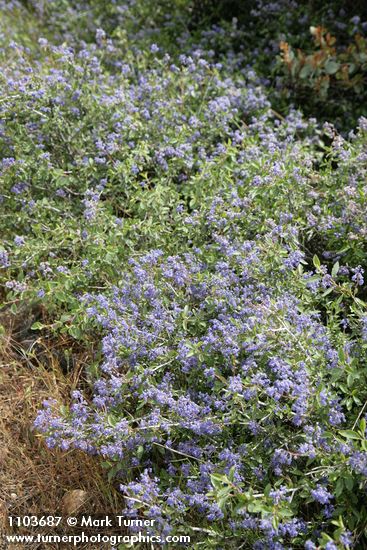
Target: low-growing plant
{"x":165,"y":209}
{"x":224,"y":390}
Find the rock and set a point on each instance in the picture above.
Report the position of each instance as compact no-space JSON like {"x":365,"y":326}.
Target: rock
{"x":73,"y":502}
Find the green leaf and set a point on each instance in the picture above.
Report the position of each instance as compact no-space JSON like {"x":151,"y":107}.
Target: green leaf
{"x":331,"y":67}
{"x":217,"y":480}
{"x":222,"y":502}
{"x":335,"y":269}
{"x":350,"y":380}
{"x":349,"y":482}
{"x":110,"y":475}
{"x":267,"y":489}
{"x":286,"y":512}
{"x":350,"y":434}
{"x":60,"y":296}
{"x":231,"y":474}
{"x":37,"y":326}
{"x":111,"y":420}
{"x":305,"y":71}
{"x":362,"y":426}
{"x":224,"y":492}
{"x":339,"y":488}
{"x":316,"y":261}
{"x":328,"y":291}
{"x":75,"y":332}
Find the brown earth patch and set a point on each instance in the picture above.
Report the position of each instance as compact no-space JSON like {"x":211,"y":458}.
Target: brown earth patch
{"x":34,"y":479}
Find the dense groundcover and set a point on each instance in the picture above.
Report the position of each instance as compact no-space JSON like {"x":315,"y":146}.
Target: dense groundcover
{"x":183,"y":194}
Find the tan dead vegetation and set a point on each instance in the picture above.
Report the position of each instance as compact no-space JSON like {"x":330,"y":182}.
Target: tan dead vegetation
{"x":34,"y":479}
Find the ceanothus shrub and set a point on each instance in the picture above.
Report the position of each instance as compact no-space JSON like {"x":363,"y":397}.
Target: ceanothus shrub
{"x":336,"y":217}
{"x":231,"y":399}
{"x":216,"y":406}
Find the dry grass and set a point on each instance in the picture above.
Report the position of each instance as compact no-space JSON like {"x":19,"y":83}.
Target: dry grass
{"x":33,"y":479}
